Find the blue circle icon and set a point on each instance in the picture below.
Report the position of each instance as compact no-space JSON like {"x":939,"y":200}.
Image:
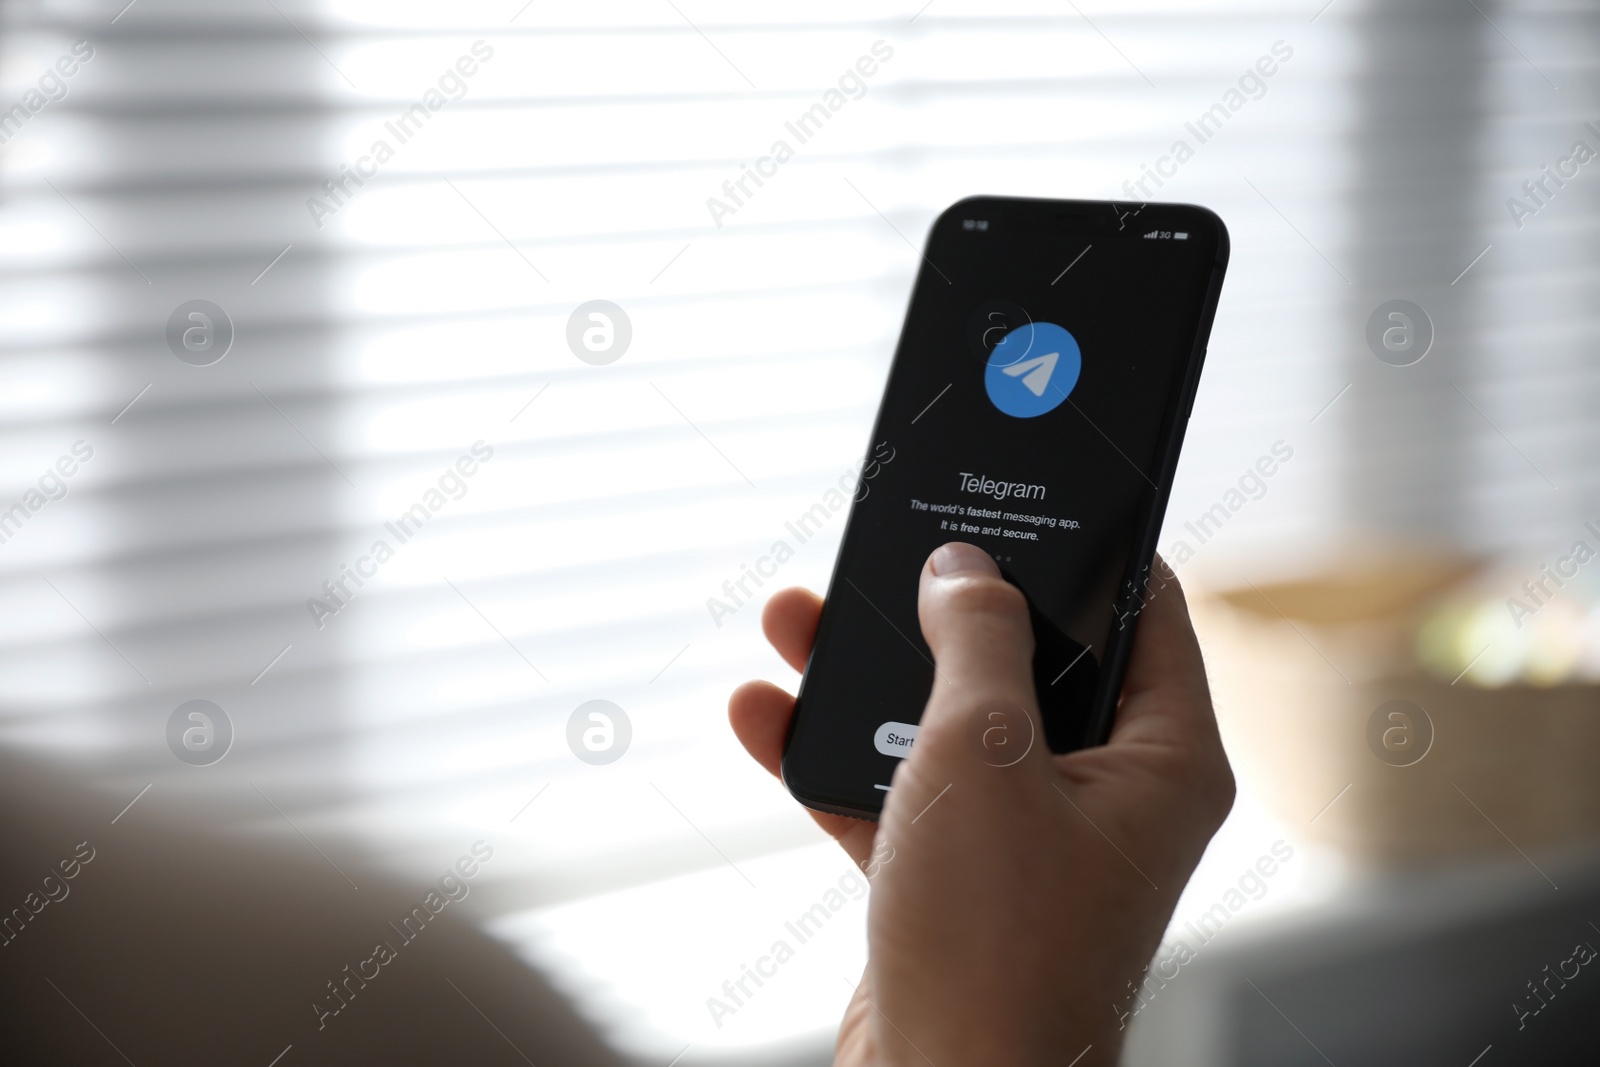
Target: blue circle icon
{"x":1032,"y":370}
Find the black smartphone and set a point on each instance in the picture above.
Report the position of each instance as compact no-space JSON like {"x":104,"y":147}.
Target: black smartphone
{"x":1035,"y":407}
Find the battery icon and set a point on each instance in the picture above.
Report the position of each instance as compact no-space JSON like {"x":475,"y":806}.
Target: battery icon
{"x":1180,"y":237}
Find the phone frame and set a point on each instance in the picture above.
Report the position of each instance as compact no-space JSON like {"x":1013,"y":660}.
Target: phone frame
{"x":1175,"y":421}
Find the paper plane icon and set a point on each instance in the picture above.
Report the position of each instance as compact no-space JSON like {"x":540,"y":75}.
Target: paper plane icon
{"x":1035,"y":373}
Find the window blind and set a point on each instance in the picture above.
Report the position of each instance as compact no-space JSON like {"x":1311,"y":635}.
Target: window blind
{"x":398,"y":315}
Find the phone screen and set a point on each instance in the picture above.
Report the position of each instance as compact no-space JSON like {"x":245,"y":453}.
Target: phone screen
{"x":1034,"y":408}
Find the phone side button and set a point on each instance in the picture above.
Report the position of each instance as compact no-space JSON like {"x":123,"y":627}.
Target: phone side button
{"x":895,"y":739}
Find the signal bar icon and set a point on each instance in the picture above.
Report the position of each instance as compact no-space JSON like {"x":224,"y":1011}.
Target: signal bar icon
{"x":1152,"y":235}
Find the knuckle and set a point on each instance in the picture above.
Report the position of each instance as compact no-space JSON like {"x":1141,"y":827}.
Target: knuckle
{"x":1204,"y":780}
{"x":1213,"y":787}
{"x":987,"y":596}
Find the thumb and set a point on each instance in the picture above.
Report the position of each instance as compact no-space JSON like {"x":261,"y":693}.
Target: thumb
{"x":976,"y":624}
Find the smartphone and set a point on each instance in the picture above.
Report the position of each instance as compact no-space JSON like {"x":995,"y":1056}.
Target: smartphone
{"x":1035,"y":407}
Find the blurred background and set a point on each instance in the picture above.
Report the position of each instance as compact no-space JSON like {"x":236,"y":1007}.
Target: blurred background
{"x":1402,"y":618}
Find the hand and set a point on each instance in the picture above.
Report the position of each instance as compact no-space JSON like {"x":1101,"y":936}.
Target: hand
{"x":1013,"y":904}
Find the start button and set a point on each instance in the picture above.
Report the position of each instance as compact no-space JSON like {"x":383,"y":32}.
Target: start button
{"x":895,"y":739}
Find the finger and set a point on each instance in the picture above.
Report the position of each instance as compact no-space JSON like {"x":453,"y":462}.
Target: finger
{"x":790,"y":622}
{"x":1165,"y":695}
{"x":759,"y":713}
{"x":976,"y":623}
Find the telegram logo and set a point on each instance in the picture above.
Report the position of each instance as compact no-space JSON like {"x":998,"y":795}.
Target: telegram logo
{"x":1032,"y":370}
